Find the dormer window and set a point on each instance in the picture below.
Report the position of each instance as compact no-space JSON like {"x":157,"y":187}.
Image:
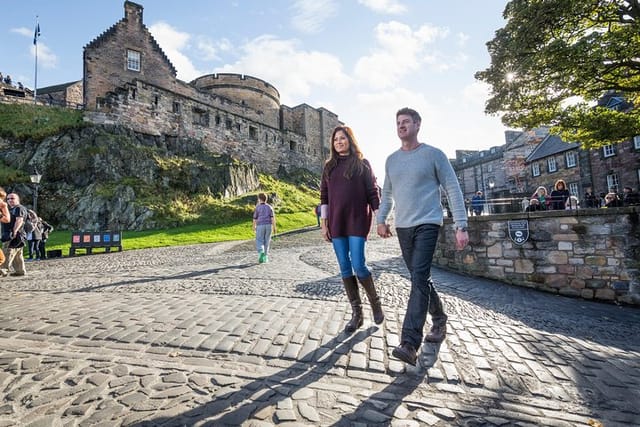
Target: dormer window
{"x":133,"y":60}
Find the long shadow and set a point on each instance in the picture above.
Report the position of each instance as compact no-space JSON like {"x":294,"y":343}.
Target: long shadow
{"x":378,"y":409}
{"x":268,"y":391}
{"x":599,"y":322}
{"x":156,"y":279}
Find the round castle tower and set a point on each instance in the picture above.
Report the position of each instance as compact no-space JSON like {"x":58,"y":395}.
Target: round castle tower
{"x":240,"y":88}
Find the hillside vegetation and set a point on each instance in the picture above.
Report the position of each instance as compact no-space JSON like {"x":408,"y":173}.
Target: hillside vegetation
{"x":108,"y":173}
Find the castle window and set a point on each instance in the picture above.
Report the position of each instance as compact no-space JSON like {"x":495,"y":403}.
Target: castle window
{"x":535,"y":169}
{"x":156,"y":100}
{"x":253,"y":133}
{"x":571,"y":160}
{"x":133,"y":93}
{"x":200,"y":117}
{"x":177,"y":107}
{"x":292,"y":145}
{"x":551,"y":164}
{"x":238,"y":127}
{"x":133,"y":60}
{"x":217,"y":120}
{"x":227,"y":124}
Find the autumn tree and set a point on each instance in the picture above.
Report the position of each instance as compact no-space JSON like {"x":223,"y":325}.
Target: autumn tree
{"x":555,"y":61}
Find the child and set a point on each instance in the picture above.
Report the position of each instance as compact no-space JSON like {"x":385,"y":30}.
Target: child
{"x":264,"y":222}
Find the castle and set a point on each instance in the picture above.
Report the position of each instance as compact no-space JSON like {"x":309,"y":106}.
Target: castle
{"x":128,"y":80}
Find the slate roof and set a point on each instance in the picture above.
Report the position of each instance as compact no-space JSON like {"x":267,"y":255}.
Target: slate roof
{"x":56,"y":88}
{"x":551,"y":145}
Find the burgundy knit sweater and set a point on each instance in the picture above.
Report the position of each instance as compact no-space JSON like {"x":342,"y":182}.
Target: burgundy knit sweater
{"x":351,"y":201}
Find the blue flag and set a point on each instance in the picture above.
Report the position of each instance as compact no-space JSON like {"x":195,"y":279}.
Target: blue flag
{"x":36,"y":33}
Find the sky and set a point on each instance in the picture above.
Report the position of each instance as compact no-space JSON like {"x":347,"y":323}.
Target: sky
{"x":361,"y":59}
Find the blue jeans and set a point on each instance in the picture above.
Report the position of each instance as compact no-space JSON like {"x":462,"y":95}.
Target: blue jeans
{"x":350,"y":254}
{"x":263,"y":237}
{"x":418,"y":245}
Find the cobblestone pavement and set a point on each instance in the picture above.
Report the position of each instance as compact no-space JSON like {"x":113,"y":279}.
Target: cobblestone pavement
{"x":204,"y":335}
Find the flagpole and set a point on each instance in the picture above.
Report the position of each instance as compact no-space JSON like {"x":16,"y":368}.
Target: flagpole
{"x":35,"y":42}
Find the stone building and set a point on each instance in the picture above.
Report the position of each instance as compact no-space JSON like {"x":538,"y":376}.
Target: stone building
{"x":128,"y":80}
{"x":529,"y":159}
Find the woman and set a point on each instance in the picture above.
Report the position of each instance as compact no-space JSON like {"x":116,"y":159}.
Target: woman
{"x":542,"y":196}
{"x":33,"y":227}
{"x":349,"y":198}
{"x":264,"y":222}
{"x":5,"y":218}
{"x":559,"y":195}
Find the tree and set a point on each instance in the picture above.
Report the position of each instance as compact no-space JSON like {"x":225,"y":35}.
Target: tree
{"x":556,"y":60}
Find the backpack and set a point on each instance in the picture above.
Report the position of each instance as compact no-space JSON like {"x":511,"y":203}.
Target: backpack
{"x":28,"y":226}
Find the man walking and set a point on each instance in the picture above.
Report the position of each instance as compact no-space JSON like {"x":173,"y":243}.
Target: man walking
{"x":413,"y":177}
{"x":11,"y":235}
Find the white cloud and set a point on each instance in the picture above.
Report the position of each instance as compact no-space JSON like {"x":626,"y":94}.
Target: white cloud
{"x":208,"y":49}
{"x":391,"y":7}
{"x":399,"y":51}
{"x":173,"y":43}
{"x":46,"y":57}
{"x":295,"y":73}
{"x":476,"y":93}
{"x":310,"y":15}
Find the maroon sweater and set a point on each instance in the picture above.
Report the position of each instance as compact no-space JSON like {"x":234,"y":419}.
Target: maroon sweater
{"x":351,"y":201}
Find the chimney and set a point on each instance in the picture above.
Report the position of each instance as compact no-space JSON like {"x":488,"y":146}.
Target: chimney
{"x":133,"y":12}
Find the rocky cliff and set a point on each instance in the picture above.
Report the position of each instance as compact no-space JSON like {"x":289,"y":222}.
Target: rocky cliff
{"x":109,"y":177}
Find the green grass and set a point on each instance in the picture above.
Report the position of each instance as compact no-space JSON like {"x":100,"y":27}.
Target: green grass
{"x":35,"y":121}
{"x":190,"y":234}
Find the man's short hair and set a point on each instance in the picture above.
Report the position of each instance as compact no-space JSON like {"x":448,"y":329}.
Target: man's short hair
{"x":410,"y":112}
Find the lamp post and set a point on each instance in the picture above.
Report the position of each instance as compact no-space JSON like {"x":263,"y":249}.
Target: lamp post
{"x":491,"y":185}
{"x":35,"y":180}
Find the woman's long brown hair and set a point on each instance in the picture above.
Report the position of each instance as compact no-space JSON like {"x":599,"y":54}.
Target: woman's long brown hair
{"x":355,"y":159}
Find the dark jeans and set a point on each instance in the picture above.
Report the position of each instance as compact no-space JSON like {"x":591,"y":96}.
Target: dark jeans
{"x":418,"y":245}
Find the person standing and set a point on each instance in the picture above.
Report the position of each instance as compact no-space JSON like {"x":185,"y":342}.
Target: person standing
{"x":349,"y":198}
{"x":5,"y":218}
{"x":630,"y":197}
{"x":542,"y":196}
{"x":33,"y":228}
{"x":477,"y":203}
{"x":264,"y":222}
{"x":12,"y":233}
{"x":559,"y":195}
{"x":419,"y":169}
{"x":46,"y":230}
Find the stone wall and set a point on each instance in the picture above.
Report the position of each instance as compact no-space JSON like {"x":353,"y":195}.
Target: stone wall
{"x":590,"y":253}
{"x":156,"y":111}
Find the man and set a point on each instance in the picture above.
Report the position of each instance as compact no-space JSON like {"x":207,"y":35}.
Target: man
{"x":630,"y":197}
{"x":413,"y":177}
{"x":477,"y":203}
{"x":13,"y":254}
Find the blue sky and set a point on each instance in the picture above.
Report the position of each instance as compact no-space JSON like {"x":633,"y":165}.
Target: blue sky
{"x":361,"y":59}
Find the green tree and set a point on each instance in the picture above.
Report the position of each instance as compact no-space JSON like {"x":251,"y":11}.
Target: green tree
{"x":553,"y":62}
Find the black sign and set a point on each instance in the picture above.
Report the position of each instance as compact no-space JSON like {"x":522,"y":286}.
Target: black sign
{"x":519,"y":231}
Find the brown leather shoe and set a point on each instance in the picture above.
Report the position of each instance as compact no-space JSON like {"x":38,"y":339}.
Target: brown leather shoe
{"x":437,"y":333}
{"x":406,"y":353}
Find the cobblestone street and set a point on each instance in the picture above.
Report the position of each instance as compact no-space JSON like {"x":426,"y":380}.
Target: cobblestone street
{"x":203,"y":335}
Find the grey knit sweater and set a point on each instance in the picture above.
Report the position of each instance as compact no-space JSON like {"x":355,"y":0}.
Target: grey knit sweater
{"x":413,"y":182}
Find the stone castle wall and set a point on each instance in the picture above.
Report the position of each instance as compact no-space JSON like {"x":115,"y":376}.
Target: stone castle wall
{"x":589,"y":253}
{"x":230,"y":114}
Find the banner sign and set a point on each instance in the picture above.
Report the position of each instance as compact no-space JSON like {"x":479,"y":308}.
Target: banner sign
{"x":519,"y":231}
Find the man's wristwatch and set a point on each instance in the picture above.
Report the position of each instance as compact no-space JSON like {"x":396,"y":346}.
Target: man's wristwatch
{"x":463,"y":229}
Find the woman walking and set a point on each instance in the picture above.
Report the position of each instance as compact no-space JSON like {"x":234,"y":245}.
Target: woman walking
{"x":349,"y":198}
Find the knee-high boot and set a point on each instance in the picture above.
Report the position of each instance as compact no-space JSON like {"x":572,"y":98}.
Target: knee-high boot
{"x":351,"y":288}
{"x":374,"y":299}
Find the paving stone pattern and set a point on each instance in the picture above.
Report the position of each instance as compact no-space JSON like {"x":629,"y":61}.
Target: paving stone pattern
{"x":205,"y":336}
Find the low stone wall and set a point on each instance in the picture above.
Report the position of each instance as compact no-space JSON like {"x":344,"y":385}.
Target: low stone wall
{"x":589,"y":253}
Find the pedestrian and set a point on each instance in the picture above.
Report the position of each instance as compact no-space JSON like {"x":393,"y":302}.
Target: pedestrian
{"x":590,"y":199}
{"x":46,"y":230}
{"x":630,"y":197}
{"x":611,"y":200}
{"x":477,"y":203}
{"x":414,"y":175}
{"x":34,"y":234}
{"x":572,"y":203}
{"x":559,"y":195}
{"x":542,"y":196}
{"x":5,"y":218}
{"x":317,"y":212}
{"x":264,"y":223}
{"x":534,"y":206}
{"x":14,"y":237}
{"x":349,"y":199}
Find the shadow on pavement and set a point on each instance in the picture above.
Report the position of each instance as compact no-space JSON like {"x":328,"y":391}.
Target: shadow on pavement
{"x":235,"y":407}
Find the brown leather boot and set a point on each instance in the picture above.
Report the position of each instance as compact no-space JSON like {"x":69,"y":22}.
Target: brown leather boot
{"x":351,"y":288}
{"x":438,"y":318}
{"x":374,"y":299}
